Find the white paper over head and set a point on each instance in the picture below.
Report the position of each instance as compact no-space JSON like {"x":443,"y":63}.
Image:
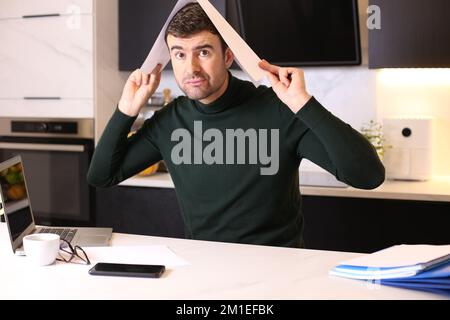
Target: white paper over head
{"x":159,"y":53}
{"x":244,"y":55}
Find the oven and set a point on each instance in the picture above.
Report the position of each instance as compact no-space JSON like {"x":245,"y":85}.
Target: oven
{"x":56,"y":155}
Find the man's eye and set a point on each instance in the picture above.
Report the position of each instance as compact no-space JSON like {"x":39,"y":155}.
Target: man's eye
{"x":204,"y":53}
{"x":179,"y":55}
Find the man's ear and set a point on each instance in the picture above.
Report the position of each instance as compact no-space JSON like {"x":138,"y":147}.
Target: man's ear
{"x":229,"y":57}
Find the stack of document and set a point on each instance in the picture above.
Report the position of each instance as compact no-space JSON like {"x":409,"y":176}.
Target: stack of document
{"x":422,"y":267}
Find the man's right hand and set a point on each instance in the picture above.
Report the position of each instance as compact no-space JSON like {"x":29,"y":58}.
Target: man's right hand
{"x":138,"y":89}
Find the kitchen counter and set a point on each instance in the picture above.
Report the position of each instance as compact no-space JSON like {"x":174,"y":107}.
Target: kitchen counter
{"x":436,"y":189}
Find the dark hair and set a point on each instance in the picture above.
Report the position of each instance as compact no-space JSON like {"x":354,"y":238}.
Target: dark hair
{"x":190,"y":20}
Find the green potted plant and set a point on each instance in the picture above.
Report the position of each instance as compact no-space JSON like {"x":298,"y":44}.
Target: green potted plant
{"x":373,"y":131}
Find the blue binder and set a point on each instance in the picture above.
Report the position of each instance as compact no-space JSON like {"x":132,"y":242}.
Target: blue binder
{"x":436,"y":280}
{"x":429,"y":270}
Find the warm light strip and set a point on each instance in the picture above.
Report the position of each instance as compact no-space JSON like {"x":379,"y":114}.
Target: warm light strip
{"x":414,"y":77}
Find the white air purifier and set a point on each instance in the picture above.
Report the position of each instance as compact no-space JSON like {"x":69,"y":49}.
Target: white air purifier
{"x":409,"y":155}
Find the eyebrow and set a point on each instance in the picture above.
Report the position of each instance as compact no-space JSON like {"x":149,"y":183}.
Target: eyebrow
{"x":204,"y":46}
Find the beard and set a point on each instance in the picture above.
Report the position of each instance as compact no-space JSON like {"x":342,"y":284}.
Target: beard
{"x":202,"y":90}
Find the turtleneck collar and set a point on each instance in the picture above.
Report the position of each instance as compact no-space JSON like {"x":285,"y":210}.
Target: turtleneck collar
{"x":221,"y":103}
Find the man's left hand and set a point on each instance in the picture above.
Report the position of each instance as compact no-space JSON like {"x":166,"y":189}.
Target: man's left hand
{"x":288,"y":84}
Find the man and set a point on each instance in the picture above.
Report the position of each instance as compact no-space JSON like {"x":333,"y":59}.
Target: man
{"x":233,"y":150}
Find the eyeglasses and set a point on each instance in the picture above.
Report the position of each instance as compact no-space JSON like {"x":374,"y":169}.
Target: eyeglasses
{"x":73,"y":254}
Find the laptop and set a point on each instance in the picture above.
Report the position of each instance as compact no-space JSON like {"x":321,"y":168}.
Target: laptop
{"x":16,"y":206}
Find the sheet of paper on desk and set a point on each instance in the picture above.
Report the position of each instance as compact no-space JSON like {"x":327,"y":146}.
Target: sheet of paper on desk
{"x":154,"y":254}
{"x":400,"y":256}
{"x":244,"y":55}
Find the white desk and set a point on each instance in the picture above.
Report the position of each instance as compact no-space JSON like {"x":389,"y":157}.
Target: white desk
{"x":216,"y":271}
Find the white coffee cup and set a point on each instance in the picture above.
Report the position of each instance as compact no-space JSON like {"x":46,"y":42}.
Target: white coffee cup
{"x":41,"y":249}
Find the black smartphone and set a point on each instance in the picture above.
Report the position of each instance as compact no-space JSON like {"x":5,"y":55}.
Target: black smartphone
{"x":127,"y":270}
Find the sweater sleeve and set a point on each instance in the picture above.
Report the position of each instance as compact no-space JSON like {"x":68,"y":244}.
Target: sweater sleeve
{"x":117,"y":157}
{"x":338,"y":148}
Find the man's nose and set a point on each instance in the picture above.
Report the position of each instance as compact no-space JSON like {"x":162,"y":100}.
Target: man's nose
{"x":193,"y":65}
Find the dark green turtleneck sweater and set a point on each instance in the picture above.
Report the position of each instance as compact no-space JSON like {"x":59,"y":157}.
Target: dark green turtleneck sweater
{"x":227,"y":200}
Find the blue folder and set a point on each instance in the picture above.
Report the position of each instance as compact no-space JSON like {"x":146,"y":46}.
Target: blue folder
{"x":436,"y":280}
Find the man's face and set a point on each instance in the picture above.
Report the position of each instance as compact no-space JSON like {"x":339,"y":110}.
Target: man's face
{"x":199,"y":65}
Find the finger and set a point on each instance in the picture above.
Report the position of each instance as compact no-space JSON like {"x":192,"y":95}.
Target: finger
{"x":155,"y":76}
{"x":132,"y":77}
{"x":298,"y":78}
{"x":157,"y":69}
{"x":263,"y":64}
{"x":154,"y":82}
{"x":158,"y":72}
{"x":284,"y":76}
{"x":158,"y":77}
{"x":145,"y":79}
{"x":137,"y":77}
{"x":272,"y":78}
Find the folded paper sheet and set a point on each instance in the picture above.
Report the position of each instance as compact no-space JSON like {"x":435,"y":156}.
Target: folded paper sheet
{"x":153,"y":254}
{"x":401,"y":256}
{"x":244,"y":55}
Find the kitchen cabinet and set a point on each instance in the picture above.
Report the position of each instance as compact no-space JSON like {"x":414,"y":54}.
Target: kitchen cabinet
{"x":331,"y":223}
{"x":47,"y":59}
{"x":368,"y":225}
{"x":413,"y":34}
{"x":44,"y":57}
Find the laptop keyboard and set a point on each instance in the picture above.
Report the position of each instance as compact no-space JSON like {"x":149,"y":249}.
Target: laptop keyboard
{"x":64,"y":233}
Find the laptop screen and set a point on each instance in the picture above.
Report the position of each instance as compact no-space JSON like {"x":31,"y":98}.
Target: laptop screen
{"x":15,"y":203}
